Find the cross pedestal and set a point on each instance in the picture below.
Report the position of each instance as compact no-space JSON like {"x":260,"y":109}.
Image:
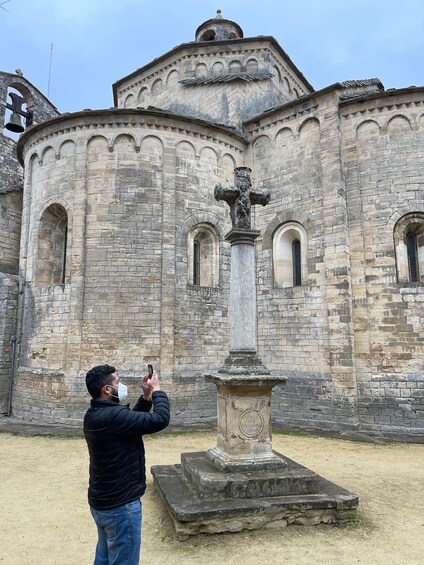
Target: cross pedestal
{"x":244,"y":423}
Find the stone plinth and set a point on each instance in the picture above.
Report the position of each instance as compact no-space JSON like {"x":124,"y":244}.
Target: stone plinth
{"x":214,"y":502}
{"x":244,"y":422}
{"x":209,"y":482}
{"x":244,"y":363}
{"x":242,"y":483}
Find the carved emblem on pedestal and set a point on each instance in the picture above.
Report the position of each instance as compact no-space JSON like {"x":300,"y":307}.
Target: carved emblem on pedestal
{"x":251,"y":423}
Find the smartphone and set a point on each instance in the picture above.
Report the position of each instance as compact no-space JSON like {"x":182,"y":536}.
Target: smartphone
{"x":150,"y":370}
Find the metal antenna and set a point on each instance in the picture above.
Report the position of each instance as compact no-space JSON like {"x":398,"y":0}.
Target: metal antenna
{"x":50,"y":70}
{"x":2,"y":5}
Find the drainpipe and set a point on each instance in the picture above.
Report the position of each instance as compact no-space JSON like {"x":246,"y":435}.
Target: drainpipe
{"x":14,"y":341}
{"x":11,"y":374}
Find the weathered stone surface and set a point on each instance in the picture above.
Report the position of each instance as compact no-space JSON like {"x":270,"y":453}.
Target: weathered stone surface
{"x":193,"y":515}
{"x":244,"y":422}
{"x":254,"y":482}
{"x":243,"y":363}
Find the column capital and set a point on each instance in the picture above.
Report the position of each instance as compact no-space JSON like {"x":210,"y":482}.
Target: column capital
{"x":238,"y":236}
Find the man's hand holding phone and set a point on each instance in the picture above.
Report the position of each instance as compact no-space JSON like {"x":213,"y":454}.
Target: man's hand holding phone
{"x":150,"y":383}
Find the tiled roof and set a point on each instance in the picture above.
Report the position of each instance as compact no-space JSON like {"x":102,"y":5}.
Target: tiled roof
{"x":248,"y":77}
{"x":362,"y":82}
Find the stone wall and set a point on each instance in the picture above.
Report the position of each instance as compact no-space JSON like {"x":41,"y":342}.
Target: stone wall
{"x":51,"y":397}
{"x":11,"y":184}
{"x":383,"y":151}
{"x":132,"y":199}
{"x":188,"y":83}
{"x":350,"y":337}
{"x":305,"y":331}
{"x":136,"y":185}
{"x":10,"y":229}
{"x":8,"y":305}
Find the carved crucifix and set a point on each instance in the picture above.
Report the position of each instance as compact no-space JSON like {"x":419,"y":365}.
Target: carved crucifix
{"x":241,"y":197}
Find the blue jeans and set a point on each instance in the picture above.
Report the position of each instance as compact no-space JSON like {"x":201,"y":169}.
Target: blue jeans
{"x":119,"y":531}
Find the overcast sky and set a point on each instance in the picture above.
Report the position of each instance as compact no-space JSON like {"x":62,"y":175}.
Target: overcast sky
{"x":96,"y":42}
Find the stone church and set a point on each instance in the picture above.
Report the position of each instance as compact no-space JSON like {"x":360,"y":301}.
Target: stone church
{"x":113,"y":250}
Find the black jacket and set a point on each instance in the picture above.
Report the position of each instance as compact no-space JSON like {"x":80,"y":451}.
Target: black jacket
{"x":114,"y":437}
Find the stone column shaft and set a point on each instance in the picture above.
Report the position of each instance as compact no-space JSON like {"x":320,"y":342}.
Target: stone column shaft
{"x":242,"y":291}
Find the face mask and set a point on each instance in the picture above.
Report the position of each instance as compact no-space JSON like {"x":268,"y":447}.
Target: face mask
{"x":122,"y":393}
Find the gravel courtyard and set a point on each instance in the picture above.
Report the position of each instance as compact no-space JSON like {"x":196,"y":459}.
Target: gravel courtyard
{"x":44,"y":517}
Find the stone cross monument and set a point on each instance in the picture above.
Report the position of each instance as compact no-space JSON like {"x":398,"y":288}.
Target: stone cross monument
{"x":244,"y":384}
{"x":242,"y":482}
{"x":242,"y":311}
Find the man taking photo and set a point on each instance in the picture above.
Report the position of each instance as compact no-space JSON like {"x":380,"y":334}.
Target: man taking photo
{"x":117,"y":462}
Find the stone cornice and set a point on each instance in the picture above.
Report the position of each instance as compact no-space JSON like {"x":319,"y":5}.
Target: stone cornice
{"x":303,"y":106}
{"x":381,"y":102}
{"x":127,"y":119}
{"x":300,"y":106}
{"x":293,"y":114}
{"x":309,"y":103}
{"x":229,"y":77}
{"x":176,"y":62}
{"x":232,"y":46}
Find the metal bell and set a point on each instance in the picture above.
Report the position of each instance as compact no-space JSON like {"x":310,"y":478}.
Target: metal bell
{"x":15,"y":123}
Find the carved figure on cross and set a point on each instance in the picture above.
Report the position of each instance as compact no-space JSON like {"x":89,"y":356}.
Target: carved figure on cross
{"x":241,"y":197}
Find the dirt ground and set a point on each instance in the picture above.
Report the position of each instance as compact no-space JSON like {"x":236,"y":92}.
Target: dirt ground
{"x":44,"y":517}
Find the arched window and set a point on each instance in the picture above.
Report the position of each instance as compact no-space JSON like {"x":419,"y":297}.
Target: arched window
{"x":52,"y":246}
{"x":409,"y":248}
{"x":412,"y":252}
{"x":196,"y":262}
{"x":203,"y":256}
{"x":289,"y":255}
{"x":297,"y":265}
{"x":208,"y":35}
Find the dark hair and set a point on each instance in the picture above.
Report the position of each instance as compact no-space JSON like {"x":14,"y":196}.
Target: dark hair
{"x":97,"y":378}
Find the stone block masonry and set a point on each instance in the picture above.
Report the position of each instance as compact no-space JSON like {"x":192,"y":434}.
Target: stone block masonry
{"x":119,"y":247}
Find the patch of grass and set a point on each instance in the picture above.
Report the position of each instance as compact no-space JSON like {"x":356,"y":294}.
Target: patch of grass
{"x":166,"y":535}
{"x":362,"y":523}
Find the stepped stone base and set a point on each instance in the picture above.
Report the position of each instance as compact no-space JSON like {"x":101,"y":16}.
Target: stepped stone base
{"x":203,"y":499}
{"x":209,"y":482}
{"x":245,"y":363}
